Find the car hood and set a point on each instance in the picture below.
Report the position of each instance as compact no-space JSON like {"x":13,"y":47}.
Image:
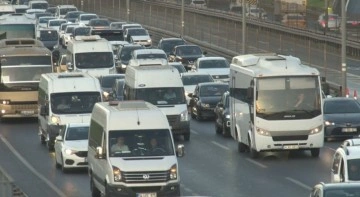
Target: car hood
{"x":130,"y":164}
{"x":343,"y":118}
{"x":213,"y":100}
{"x":79,"y":145}
{"x":215,"y":71}
{"x":140,"y":37}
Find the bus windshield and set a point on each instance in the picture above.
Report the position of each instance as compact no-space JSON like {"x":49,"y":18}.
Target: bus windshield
{"x":282,"y":98}
{"x":94,"y":60}
{"x":17,"y":31}
{"x":20,"y":74}
{"x":74,"y":102}
{"x":159,"y":96}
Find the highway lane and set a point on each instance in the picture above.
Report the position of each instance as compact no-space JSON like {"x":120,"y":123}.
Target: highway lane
{"x":211,"y":167}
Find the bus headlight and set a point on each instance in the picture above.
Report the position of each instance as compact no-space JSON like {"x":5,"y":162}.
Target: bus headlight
{"x":55,"y":119}
{"x":117,"y":174}
{"x":5,"y":102}
{"x":263,"y":132}
{"x":316,"y":130}
{"x":184,"y":116}
{"x":173,"y":172}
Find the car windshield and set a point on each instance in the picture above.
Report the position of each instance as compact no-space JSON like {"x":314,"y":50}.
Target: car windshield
{"x":140,"y":143}
{"x":213,"y":90}
{"x":342,"y":192}
{"x":63,"y":11}
{"x":160,"y":96}
{"x":77,"y":133}
{"x":188,"y":51}
{"x":125,"y":53}
{"x":100,"y":22}
{"x":56,"y":23}
{"x":152,"y":56}
{"x":195,"y":79}
{"x":74,"y":102}
{"x":341,"y":106}
{"x":137,"y":32}
{"x":94,"y":60}
{"x":214,"y":64}
{"x":87,"y":17}
{"x":108,"y":81}
{"x":169,"y":45}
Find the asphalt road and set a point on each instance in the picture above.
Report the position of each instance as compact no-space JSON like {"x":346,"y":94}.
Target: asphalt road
{"x":211,"y":167}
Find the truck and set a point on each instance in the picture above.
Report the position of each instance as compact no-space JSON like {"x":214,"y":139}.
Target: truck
{"x":282,"y":7}
{"x":275,"y":104}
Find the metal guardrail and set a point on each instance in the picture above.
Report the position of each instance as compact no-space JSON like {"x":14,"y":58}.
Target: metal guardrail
{"x":8,"y":187}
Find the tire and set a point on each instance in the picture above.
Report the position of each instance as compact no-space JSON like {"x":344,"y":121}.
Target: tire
{"x":253,"y":153}
{"x":217,"y":128}
{"x":315,"y":152}
{"x":192,"y":114}
{"x":63,"y":169}
{"x":50,"y":146}
{"x":42,"y":139}
{"x":94,"y":191}
{"x":225,"y":133}
{"x":187,"y":137}
{"x":198,"y":116}
{"x":57,"y":165}
{"x":241,"y":147}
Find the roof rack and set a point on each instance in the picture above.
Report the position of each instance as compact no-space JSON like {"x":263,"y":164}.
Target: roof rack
{"x":21,"y":42}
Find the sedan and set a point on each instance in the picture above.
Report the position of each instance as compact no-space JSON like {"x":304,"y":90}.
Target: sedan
{"x":341,"y":117}
{"x":222,"y":116}
{"x":186,"y":54}
{"x":336,"y":189}
{"x":217,"y":67}
{"x":71,"y":147}
{"x":191,"y":79}
{"x":205,"y":98}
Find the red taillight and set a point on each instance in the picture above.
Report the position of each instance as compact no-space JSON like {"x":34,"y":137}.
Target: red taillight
{"x":331,"y":18}
{"x":354,"y":23}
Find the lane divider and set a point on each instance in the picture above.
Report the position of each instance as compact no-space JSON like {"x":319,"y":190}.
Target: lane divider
{"x":298,"y":183}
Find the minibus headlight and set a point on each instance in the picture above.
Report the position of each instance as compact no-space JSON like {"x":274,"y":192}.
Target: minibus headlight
{"x":55,"y":119}
{"x":316,"y":130}
{"x":263,"y":132}
{"x":173,"y":172}
{"x":184,"y":116}
{"x":117,"y":174}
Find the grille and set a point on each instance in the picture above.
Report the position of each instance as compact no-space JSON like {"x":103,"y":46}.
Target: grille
{"x":22,"y":107}
{"x":81,"y":154}
{"x":290,"y":138}
{"x":172,"y":119}
{"x":146,"y":177}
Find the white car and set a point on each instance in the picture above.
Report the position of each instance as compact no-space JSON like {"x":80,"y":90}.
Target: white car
{"x":71,"y":146}
{"x":85,"y":18}
{"x":56,"y":23}
{"x":138,"y":36}
{"x":217,"y":67}
{"x":191,"y":79}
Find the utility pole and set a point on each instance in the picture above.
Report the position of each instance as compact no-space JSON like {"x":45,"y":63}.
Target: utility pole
{"x":182,"y":18}
{"x":326,"y":16}
{"x":243,"y":27}
{"x":128,"y":11}
{"x":343,"y":48}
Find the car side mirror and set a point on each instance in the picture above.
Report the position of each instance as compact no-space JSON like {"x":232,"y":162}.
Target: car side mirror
{"x":180,"y":150}
{"x":99,"y":153}
{"x":59,"y":138}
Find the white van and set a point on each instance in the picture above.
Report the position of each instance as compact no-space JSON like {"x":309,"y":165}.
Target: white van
{"x":133,"y":159}
{"x":65,"y":98}
{"x":90,"y":54}
{"x":163,"y":87}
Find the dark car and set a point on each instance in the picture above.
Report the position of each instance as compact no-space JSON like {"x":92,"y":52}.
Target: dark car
{"x":336,"y":189}
{"x":341,"y":117}
{"x":168,"y":44}
{"x":124,"y":55}
{"x":222,"y":116}
{"x":51,"y":10}
{"x":72,"y":16}
{"x":186,"y":54}
{"x":107,"y":83}
{"x":204,"y":99}
{"x":99,"y":23}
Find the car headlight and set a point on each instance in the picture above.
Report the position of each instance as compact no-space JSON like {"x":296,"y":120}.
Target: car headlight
{"x":329,"y":123}
{"x":316,"y":130}
{"x":123,"y":65}
{"x":204,"y":105}
{"x":263,"y":132}
{"x":184,"y":116}
{"x":106,"y":94}
{"x":149,"y":40}
{"x":173,"y":172}
{"x":69,"y":151}
{"x":55,"y":119}
{"x":227,"y":116}
{"x":117,"y":174}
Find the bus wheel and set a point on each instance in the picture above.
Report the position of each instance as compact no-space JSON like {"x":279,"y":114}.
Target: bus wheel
{"x":315,"y":152}
{"x":241,"y":147}
{"x":253,"y":153}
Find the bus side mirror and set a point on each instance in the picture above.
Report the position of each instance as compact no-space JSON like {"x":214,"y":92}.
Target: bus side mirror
{"x":250,"y":93}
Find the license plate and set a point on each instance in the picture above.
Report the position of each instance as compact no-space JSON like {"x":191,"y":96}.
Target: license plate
{"x":349,"y":130}
{"x":290,"y":147}
{"x":27,"y":112}
{"x":146,"y":195}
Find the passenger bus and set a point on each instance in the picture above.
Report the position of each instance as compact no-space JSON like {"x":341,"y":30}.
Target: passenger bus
{"x":275,"y":104}
{"x":16,"y":26}
{"x":22,"y":62}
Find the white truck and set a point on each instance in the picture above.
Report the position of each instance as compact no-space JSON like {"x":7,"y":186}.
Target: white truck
{"x":275,"y":104}
{"x":65,"y":98}
{"x":90,"y":54}
{"x":133,"y":159}
{"x":153,"y":84}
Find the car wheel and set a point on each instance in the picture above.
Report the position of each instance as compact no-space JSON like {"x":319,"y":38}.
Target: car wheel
{"x":225,"y":132}
{"x":42,"y":139}
{"x":57,"y":165}
{"x":198,"y":115}
{"x":217,"y":128}
{"x":94,"y":191}
{"x":63,"y":168}
{"x":241,"y":147}
{"x":50,"y":146}
{"x":315,"y":152}
{"x":192,"y":114}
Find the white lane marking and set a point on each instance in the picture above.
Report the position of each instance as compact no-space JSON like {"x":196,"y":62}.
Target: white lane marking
{"x":220,"y":145}
{"x":256,"y":163}
{"x":328,"y":147}
{"x":32,"y":169}
{"x":194,"y":132}
{"x":299,"y":183}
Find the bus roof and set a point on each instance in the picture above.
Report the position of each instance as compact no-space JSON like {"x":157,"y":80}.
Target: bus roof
{"x":16,"y":19}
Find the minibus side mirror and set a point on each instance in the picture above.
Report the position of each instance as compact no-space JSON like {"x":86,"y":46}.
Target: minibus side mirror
{"x":99,"y":153}
{"x":180,"y":150}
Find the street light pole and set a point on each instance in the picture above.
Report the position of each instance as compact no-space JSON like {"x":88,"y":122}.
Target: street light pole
{"x":128,"y":11}
{"x":243,"y":27}
{"x":326,"y":16}
{"x":182,"y":18}
{"x":343,"y":48}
